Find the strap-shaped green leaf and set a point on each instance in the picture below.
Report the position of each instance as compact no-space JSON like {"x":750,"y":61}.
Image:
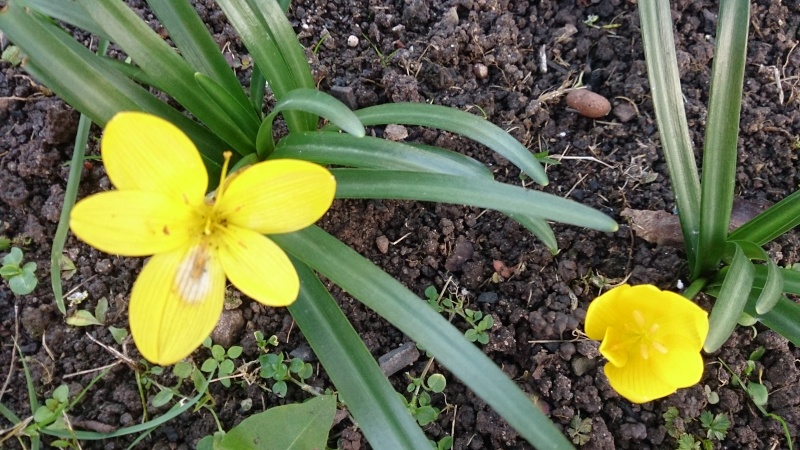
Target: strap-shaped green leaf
{"x":730,"y":302}
{"x":227,"y":103}
{"x":352,"y":369}
{"x":399,"y":185}
{"x":313,"y":101}
{"x":69,"y":12}
{"x":460,"y":122}
{"x":341,"y":149}
{"x":276,"y":60}
{"x":722,"y":132}
{"x":665,"y":87}
{"x":773,"y":288}
{"x":158,"y":60}
{"x":90,"y":85}
{"x":392,"y":301}
{"x":197,"y":46}
{"x":775,"y":221}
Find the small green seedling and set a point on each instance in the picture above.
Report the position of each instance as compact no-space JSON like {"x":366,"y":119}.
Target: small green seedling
{"x":221,"y":360}
{"x":580,"y":430}
{"x":262,"y":343}
{"x":420,"y":404}
{"x":480,"y":324}
{"x":21,"y":278}
{"x":182,"y":370}
{"x":274,"y":366}
{"x":715,"y":426}
{"x":83,"y":318}
{"x":12,"y":54}
{"x":5,"y":243}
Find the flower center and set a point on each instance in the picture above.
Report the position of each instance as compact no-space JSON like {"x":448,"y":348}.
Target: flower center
{"x":211,"y":219}
{"x":645,"y":334}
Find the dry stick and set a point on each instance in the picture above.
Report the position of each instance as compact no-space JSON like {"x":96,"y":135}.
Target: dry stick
{"x":13,"y":353}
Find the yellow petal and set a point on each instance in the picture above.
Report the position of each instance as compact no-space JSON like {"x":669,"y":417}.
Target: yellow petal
{"x":146,"y":153}
{"x":132,"y":223}
{"x":638,"y":381}
{"x":258,"y":267}
{"x":617,"y":346}
{"x":278,"y":196}
{"x":679,"y":367}
{"x":604,"y":312}
{"x":175,"y":303}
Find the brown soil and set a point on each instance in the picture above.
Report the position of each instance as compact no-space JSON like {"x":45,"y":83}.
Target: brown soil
{"x":437,"y":51}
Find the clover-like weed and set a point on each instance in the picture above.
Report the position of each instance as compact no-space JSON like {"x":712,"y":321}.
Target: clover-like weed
{"x":21,"y":277}
{"x":221,"y":360}
{"x":275,"y":366}
{"x":580,"y":430}
{"x":479,"y":323}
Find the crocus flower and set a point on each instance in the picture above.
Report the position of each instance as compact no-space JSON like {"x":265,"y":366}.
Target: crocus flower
{"x":160,"y":208}
{"x":651,"y":338}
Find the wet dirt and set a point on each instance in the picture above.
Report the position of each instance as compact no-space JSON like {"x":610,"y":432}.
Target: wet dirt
{"x":484,"y":57}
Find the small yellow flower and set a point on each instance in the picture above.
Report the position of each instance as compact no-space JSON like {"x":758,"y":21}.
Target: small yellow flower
{"x":160,"y":208}
{"x":651,"y":338}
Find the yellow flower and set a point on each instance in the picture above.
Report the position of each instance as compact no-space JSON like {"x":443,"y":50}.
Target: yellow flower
{"x":160,"y":208}
{"x":651,"y":338}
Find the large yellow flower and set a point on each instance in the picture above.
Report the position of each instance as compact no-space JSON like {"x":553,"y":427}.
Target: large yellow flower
{"x":651,"y":338}
{"x":160,"y":208}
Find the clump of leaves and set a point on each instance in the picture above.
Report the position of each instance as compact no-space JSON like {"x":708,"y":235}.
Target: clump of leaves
{"x":221,"y":361}
{"x":420,"y":404}
{"x":580,"y":430}
{"x":716,"y":427}
{"x":276,"y":367}
{"x":479,"y":323}
{"x":21,"y":278}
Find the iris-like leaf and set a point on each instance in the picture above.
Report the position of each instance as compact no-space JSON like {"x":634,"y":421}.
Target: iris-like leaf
{"x":775,"y":221}
{"x":386,"y":296}
{"x":731,"y":301}
{"x":665,"y":86}
{"x":722,"y":131}
{"x":460,"y":122}
{"x":365,"y":183}
{"x":312,"y":101}
{"x":352,"y":368}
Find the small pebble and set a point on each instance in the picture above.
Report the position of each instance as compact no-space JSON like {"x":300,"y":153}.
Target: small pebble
{"x":395,"y":360}
{"x":588,"y":103}
{"x":352,"y":41}
{"x":624,"y":112}
{"x":228,"y":329}
{"x":303,"y":353}
{"x":395,"y":132}
{"x":382,"y":242}
{"x":487,"y":297}
{"x":480,"y":71}
{"x":461,"y":253}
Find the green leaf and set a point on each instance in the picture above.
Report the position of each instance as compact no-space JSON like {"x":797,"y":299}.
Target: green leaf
{"x":730,"y":302}
{"x":460,"y":122}
{"x":244,"y":116}
{"x":311,"y":101}
{"x":235,"y":351}
{"x":119,"y":334}
{"x":10,"y":271}
{"x":758,"y":392}
{"x":437,"y":382}
{"x":351,"y":367}
{"x":665,"y":88}
{"x":297,"y":426}
{"x":69,"y":12}
{"x":196,"y":45}
{"x":209,"y":365}
{"x":270,"y":39}
{"x":83,"y":80}
{"x":158,"y":60}
{"x":101,"y":309}
{"x":367,"y":183}
{"x":217,"y":352}
{"x":13,"y":258}
{"x":226,"y":367}
{"x":773,"y":288}
{"x":23,"y":284}
{"x":82,"y":318}
{"x":333,"y":148}
{"x":722,"y":132}
{"x":392,"y":301}
{"x":775,"y":221}
{"x":163,"y":397}
{"x":61,"y":394}
{"x":426,"y":415}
